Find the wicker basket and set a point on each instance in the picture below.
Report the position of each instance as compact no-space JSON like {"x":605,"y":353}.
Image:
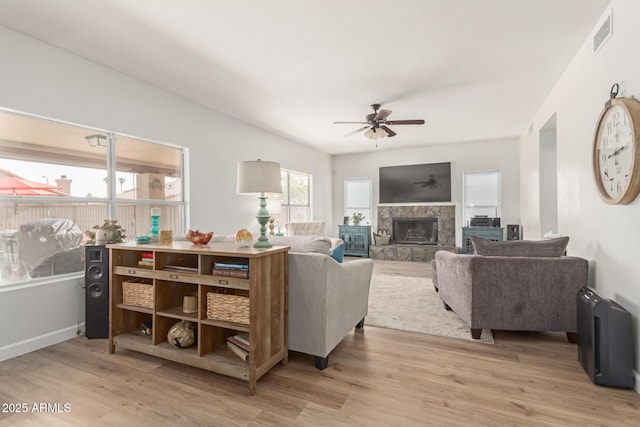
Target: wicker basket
{"x":138,"y":293}
{"x":228,"y":307}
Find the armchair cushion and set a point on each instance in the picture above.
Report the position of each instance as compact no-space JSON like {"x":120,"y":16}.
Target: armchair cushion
{"x":316,"y":244}
{"x":520,"y":248}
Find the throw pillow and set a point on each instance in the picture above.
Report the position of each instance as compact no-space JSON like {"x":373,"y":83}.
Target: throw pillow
{"x":381,"y":239}
{"x":521,"y":248}
{"x":338,"y":253}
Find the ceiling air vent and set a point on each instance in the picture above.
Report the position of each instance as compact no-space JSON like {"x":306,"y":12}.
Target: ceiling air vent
{"x":604,"y":32}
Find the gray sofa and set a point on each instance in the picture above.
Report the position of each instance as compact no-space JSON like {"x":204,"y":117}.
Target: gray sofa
{"x":327,"y":299}
{"x":517,"y":285}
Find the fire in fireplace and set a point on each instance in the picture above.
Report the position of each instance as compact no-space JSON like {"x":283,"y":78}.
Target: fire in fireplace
{"x":415,"y":231}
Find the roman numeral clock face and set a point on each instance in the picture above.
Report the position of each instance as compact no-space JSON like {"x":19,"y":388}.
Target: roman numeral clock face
{"x":614,"y":156}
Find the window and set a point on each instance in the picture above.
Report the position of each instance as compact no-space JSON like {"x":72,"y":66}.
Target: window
{"x":357,"y":198}
{"x":481,"y":194}
{"x":295,"y":202}
{"x":58,"y":180}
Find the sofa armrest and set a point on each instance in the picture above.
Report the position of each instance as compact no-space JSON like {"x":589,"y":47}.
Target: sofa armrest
{"x":348,"y":290}
{"x":455,"y":282}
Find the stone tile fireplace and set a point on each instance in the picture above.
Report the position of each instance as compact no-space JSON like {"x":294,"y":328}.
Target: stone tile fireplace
{"x":417,"y":232}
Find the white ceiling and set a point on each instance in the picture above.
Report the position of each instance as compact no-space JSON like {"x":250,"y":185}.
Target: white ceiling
{"x":473,"y":69}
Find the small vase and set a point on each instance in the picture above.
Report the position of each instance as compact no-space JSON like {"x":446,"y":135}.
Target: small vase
{"x":103,"y":236}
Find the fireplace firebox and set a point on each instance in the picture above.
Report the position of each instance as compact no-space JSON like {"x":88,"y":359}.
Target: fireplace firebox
{"x":415,"y":231}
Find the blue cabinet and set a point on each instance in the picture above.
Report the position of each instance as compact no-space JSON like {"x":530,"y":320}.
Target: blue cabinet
{"x":356,"y":239}
{"x":489,"y":233}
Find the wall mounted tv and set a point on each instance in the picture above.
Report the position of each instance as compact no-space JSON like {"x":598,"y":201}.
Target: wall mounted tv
{"x":427,"y":183}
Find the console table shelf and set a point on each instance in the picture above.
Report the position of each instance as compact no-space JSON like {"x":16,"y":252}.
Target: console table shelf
{"x":182,"y":269}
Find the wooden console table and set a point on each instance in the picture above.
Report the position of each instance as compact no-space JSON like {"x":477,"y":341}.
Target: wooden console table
{"x":182,"y":269}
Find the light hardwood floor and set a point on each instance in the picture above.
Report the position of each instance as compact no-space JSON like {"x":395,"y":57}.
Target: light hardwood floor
{"x":376,"y":377}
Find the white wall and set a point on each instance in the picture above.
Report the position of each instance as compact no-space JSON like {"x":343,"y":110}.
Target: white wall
{"x":548,"y":182}
{"x":499,"y":155}
{"x":605,"y":235}
{"x":39,"y":79}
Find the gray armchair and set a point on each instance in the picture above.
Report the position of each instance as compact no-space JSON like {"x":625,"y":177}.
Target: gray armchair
{"x":523,"y":293}
{"x":326,"y":300}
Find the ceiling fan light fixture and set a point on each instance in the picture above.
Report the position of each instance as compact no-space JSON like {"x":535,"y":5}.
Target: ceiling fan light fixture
{"x":375,"y":134}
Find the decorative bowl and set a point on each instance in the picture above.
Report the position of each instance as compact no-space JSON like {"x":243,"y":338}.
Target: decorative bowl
{"x":198,"y":238}
{"x":244,"y":238}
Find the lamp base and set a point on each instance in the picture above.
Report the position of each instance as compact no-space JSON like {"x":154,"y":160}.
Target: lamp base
{"x":263,"y":217}
{"x":263,"y":244}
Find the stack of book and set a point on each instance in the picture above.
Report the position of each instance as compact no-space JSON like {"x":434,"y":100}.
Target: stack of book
{"x":182,"y":268}
{"x":239,"y":344}
{"x":146,"y":260}
{"x":231,"y":269}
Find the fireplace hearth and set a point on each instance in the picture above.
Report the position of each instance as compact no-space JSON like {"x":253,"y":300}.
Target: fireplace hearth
{"x":414,"y":231}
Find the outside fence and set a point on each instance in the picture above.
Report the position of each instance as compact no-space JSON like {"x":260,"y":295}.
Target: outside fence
{"x":134,"y":218}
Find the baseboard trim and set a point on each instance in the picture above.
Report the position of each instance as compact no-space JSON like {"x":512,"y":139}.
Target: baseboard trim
{"x":36,"y":343}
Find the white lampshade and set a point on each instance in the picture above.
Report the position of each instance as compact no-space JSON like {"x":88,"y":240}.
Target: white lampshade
{"x":259,"y":176}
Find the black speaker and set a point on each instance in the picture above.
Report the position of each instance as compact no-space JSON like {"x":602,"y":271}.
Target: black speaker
{"x":514,"y":232}
{"x":96,"y":296}
{"x":605,"y":340}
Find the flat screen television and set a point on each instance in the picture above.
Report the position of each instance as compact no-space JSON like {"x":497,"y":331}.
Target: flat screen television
{"x":426,"y":183}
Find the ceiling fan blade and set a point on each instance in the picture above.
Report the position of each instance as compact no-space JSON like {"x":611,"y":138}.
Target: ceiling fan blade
{"x":389,"y":132}
{"x":356,"y":131}
{"x":382,"y":114}
{"x":350,"y":123}
{"x":405,"y":122}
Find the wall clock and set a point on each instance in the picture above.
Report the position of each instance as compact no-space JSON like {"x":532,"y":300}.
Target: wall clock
{"x":616,"y":150}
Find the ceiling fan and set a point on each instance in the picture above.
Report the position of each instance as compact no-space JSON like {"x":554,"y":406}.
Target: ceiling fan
{"x":376,"y":124}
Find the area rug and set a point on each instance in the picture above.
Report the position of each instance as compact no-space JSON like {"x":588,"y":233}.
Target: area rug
{"x":411,"y":304}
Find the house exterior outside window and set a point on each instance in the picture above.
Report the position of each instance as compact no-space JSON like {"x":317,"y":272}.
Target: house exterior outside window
{"x":482,"y":194}
{"x":294,"y":205}
{"x":59,"y":180}
{"x":357,"y":198}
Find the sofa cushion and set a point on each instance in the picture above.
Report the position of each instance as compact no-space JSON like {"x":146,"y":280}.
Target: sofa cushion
{"x":521,"y":248}
{"x":337,"y":253}
{"x":318,"y":244}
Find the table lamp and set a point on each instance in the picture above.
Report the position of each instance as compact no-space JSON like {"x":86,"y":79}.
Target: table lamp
{"x":260,"y":177}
